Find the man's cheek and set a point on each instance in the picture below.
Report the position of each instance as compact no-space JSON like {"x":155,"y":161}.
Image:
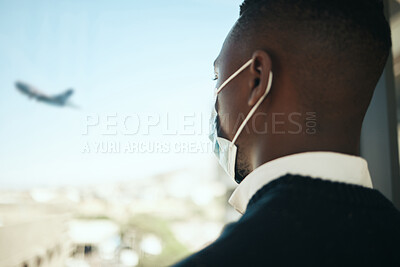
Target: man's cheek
{"x":223,"y":123}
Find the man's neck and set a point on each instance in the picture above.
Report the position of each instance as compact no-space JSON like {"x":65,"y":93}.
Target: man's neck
{"x":281,"y":147}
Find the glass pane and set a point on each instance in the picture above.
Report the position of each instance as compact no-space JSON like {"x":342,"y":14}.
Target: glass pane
{"x":395,"y":27}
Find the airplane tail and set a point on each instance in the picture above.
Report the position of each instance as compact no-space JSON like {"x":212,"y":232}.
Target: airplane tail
{"x":63,"y":98}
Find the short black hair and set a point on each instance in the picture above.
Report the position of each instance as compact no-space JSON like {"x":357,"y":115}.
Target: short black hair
{"x":346,"y":42}
{"x":366,"y":15}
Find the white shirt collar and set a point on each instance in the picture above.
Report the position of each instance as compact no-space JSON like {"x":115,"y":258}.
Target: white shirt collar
{"x":331,"y":166}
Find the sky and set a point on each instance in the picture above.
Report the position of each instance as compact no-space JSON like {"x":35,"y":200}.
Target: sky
{"x":142,"y":78}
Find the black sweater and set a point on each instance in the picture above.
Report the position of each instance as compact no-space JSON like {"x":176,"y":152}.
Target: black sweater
{"x":301,"y":221}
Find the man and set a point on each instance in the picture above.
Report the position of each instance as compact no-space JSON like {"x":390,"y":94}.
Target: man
{"x":305,"y":194}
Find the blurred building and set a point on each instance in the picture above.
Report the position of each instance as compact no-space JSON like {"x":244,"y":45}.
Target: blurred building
{"x":143,"y":222}
{"x":31,"y":236}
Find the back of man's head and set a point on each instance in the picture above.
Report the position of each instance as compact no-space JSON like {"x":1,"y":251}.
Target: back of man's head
{"x":332,"y":51}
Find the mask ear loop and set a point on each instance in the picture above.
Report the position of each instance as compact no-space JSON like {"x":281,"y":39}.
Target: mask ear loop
{"x":253,"y":109}
{"x":234,"y":75}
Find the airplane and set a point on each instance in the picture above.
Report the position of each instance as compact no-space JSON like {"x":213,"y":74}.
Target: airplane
{"x":60,"y":100}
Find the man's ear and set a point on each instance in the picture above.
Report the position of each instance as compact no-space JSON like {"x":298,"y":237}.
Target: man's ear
{"x":259,"y":70}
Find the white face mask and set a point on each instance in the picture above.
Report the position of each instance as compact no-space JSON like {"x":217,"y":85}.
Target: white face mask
{"x":224,"y":149}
